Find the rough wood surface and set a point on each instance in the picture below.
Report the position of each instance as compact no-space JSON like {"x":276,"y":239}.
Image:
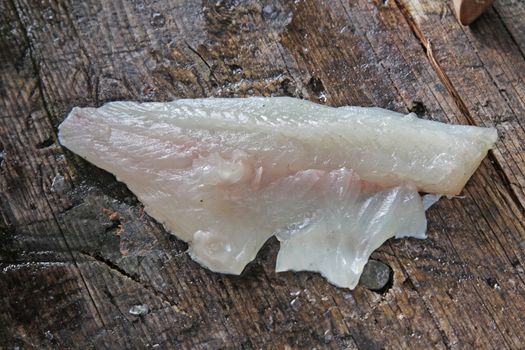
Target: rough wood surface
{"x":70,"y":272}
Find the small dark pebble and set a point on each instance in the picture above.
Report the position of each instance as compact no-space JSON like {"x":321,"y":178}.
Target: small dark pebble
{"x":376,"y":275}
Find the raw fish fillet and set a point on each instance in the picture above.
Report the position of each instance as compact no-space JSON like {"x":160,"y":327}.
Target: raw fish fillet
{"x":332,"y":184}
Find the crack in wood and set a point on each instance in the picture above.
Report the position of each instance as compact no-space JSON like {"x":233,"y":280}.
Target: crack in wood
{"x":120,"y":271}
{"x":427,"y":46}
{"x":298,"y":88}
{"x":506,"y":182}
{"x":203,"y":60}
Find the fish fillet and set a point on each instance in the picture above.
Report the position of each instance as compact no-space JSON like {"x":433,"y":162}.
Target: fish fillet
{"x":332,"y":184}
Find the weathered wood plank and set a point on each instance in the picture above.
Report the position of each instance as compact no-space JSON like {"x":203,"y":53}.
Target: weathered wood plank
{"x":461,"y":288}
{"x":484,"y":68}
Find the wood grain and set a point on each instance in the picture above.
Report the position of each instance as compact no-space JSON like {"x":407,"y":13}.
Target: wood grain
{"x":511,"y":13}
{"x":70,"y":274}
{"x":484,"y":69}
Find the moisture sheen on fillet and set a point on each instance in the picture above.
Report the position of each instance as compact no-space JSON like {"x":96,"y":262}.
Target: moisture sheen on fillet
{"x":226,"y":174}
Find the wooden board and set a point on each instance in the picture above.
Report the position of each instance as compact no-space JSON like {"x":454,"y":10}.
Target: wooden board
{"x":69,"y":275}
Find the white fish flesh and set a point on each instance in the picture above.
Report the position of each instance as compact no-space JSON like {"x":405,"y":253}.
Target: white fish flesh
{"x":332,"y":184}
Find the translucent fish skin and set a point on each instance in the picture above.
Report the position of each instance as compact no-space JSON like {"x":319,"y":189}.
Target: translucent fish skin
{"x":352,"y":219}
{"x":226,"y":174}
